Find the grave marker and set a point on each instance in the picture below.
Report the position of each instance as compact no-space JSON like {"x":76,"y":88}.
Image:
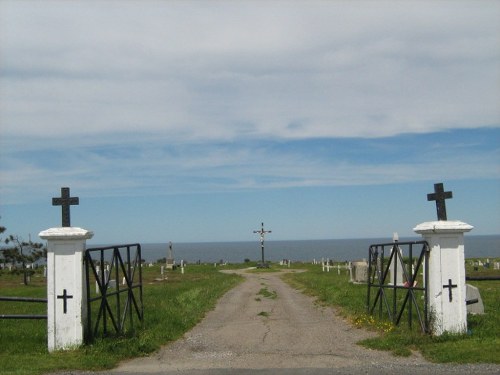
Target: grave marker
{"x":474,"y":300}
{"x":170,"y":257}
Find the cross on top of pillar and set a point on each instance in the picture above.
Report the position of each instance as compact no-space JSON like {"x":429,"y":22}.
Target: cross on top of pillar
{"x":439,"y":196}
{"x":65,"y":201}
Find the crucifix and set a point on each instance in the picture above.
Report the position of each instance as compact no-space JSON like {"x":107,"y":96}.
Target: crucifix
{"x":65,"y":297}
{"x":65,"y":201}
{"x":450,"y":286}
{"x":439,"y":196}
{"x":262,"y":232}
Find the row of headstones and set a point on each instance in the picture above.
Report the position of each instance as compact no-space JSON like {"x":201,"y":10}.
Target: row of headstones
{"x":285,"y":262}
{"x":112,"y":283}
{"x":10,"y":266}
{"x":478,"y":263}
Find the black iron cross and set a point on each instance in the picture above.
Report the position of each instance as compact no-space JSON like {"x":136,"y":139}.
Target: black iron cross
{"x":65,"y":201}
{"x":65,"y":297}
{"x":450,"y":286}
{"x":439,"y":196}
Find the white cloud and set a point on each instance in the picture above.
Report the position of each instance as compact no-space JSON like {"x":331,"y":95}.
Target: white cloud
{"x":223,"y":70}
{"x":169,"y":96}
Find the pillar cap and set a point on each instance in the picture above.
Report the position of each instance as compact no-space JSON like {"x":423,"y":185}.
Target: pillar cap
{"x":442,"y":226}
{"x":66,"y":233}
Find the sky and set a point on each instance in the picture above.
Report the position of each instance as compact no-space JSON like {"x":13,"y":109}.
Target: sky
{"x":192,"y":121}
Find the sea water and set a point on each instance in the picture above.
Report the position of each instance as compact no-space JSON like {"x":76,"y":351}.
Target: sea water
{"x":303,"y":250}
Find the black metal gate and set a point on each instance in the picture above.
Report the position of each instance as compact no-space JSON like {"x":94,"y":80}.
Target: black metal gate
{"x":392,"y":297}
{"x":23,"y":316}
{"x":111,"y":302}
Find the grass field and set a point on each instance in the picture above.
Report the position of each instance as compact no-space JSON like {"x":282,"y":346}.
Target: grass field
{"x":173,"y":306}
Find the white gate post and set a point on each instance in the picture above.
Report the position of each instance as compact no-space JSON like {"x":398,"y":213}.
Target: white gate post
{"x":446,"y":289}
{"x":66,"y":286}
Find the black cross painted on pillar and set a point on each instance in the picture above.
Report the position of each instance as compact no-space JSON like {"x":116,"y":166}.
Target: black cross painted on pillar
{"x":65,"y":201}
{"x":65,"y":297}
{"x":262,"y":232}
{"x":439,"y":196}
{"x":450,"y":286}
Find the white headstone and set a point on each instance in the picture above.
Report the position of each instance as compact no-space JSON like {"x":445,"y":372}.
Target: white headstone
{"x":360,"y":271}
{"x":446,"y":289}
{"x":66,"y":286}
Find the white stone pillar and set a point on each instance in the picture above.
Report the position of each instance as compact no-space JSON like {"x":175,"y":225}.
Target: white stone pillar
{"x":446,"y":289}
{"x":66,"y":286}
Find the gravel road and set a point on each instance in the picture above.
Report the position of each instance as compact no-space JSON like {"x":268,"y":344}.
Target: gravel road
{"x":263,"y":326}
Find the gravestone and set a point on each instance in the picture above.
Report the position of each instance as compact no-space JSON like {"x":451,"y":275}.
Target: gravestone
{"x":472,"y":294}
{"x":360,"y":271}
{"x":170,"y":258}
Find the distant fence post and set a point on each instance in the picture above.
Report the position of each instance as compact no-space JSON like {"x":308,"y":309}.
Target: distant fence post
{"x":66,"y":286}
{"x":446,"y":290}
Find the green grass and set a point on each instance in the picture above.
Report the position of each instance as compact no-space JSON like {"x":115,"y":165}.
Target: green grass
{"x":479,"y":345}
{"x":171,"y":308}
{"x":174,"y":306}
{"x":264,"y":292}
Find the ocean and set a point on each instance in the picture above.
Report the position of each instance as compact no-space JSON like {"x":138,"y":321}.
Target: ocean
{"x":303,"y":250}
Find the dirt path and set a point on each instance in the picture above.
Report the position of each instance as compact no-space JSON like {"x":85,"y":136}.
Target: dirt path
{"x":265,"y":324}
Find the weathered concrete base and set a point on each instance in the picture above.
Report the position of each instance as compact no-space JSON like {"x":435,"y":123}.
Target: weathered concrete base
{"x":446,"y":289}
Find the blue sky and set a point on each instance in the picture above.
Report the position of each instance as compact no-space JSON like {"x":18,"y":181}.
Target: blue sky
{"x":195,"y":121}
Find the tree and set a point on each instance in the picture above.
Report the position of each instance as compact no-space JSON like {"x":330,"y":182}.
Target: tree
{"x":22,"y":252}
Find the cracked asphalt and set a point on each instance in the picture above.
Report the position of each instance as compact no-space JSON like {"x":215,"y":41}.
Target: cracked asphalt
{"x":263,"y":326}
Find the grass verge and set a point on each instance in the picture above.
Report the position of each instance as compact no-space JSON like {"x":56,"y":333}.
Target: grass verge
{"x":479,"y":345}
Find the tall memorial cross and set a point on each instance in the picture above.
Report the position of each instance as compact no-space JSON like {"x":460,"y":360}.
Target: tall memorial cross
{"x":65,"y":201}
{"x":262,"y":233}
{"x":440,"y":196}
